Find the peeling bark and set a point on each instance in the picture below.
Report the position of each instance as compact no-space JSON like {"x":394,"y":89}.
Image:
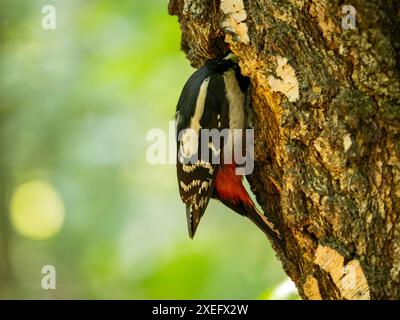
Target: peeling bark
{"x":326,"y":113}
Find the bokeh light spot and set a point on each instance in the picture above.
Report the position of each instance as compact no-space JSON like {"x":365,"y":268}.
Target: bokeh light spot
{"x":37,"y":210}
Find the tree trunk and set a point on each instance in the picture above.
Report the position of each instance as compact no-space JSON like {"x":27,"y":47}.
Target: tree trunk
{"x":325,"y":102}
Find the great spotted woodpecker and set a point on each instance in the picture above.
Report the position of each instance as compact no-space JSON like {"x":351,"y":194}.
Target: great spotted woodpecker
{"x":213,"y":100}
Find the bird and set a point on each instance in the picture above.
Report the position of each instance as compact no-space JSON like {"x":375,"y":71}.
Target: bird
{"x":212,"y":100}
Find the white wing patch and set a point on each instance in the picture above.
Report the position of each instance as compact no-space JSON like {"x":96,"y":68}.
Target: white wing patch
{"x":190,"y":137}
{"x":201,"y":99}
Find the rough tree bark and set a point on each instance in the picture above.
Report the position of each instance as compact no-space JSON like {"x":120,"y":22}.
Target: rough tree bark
{"x":325,"y":102}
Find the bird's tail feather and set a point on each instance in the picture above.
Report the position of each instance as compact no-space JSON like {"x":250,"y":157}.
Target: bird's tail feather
{"x":262,"y":222}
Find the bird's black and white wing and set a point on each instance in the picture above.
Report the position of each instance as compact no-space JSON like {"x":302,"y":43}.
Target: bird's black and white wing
{"x":202,"y":105}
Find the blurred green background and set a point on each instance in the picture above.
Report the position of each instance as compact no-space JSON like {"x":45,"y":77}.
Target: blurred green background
{"x":76,"y":190}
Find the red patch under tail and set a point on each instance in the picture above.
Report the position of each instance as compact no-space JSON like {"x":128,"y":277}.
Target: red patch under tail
{"x":229,"y":186}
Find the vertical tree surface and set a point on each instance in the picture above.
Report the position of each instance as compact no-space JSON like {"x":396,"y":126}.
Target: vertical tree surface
{"x":325,"y":104}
